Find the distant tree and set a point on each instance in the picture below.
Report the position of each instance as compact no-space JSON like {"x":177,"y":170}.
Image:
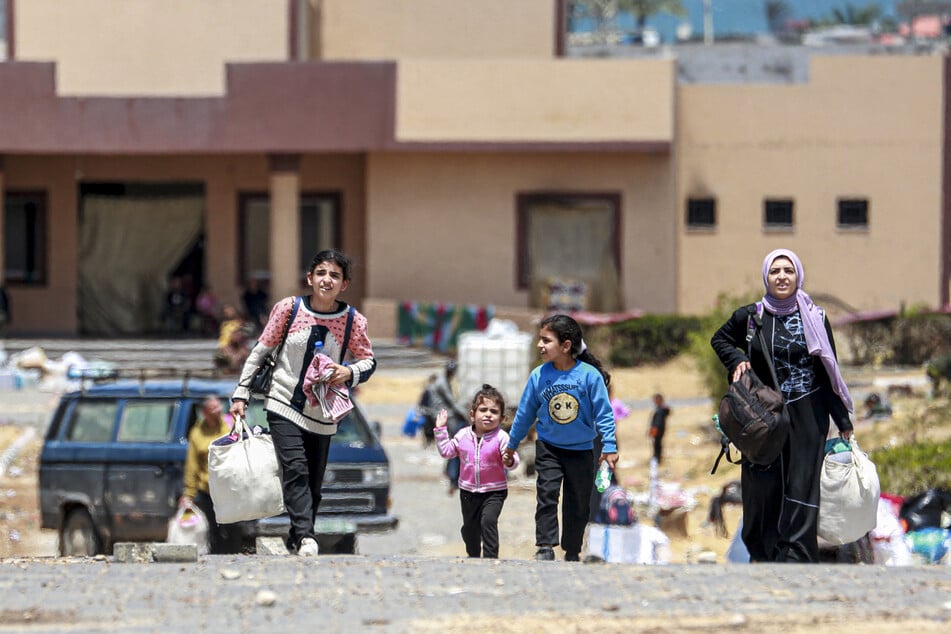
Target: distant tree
{"x":858,"y":15}
{"x":643,"y":9}
{"x":576,"y":10}
{"x":777,"y":15}
{"x":601,"y":11}
{"x":851,"y":15}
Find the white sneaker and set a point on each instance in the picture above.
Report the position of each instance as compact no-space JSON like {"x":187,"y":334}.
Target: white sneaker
{"x":307,"y":548}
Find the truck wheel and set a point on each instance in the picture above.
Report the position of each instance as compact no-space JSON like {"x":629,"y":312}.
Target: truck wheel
{"x":78,"y":535}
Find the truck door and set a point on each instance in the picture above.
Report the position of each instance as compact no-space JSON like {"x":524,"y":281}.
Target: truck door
{"x":145,"y":471}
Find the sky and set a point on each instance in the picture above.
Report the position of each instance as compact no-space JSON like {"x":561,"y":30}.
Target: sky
{"x":747,"y":17}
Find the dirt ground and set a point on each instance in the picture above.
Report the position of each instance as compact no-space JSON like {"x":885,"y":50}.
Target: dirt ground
{"x":689,"y":451}
{"x":20,"y":533}
{"x":688,"y":456}
{"x":690,"y":448}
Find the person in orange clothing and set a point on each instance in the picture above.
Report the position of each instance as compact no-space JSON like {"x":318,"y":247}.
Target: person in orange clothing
{"x":223,"y":538}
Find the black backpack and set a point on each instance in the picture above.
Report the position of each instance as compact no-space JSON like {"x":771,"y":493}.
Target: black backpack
{"x":752,"y":415}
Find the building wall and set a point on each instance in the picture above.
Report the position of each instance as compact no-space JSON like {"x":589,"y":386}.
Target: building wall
{"x":148,"y":47}
{"x":442,"y":226}
{"x":543,"y":100}
{"x":868,"y":127}
{"x":224,"y":177}
{"x":437,"y":29}
{"x":346,"y":173}
{"x":51,"y":307}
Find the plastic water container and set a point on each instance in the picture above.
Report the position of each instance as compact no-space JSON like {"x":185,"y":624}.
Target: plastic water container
{"x":500,"y":356}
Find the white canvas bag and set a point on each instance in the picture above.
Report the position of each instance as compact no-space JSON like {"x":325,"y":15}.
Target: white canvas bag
{"x":848,"y":496}
{"x":244,"y":479}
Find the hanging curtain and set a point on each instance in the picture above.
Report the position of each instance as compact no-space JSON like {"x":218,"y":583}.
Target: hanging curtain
{"x":127,"y":246}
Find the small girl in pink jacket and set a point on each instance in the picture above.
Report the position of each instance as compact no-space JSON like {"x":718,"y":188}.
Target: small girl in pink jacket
{"x":482,"y":481}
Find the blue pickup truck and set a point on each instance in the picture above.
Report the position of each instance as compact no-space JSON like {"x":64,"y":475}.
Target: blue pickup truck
{"x":113,"y":459}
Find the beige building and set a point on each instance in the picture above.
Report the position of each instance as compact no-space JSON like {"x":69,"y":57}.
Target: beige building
{"x":454,"y":150}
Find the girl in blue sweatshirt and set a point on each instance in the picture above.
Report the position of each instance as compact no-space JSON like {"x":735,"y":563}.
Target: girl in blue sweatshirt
{"x":567,"y":399}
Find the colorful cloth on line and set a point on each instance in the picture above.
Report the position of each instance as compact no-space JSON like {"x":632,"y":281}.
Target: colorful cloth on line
{"x":438,"y":326}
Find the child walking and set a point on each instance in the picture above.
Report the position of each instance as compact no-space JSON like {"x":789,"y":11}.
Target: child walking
{"x":482,"y":482}
{"x":567,"y":399}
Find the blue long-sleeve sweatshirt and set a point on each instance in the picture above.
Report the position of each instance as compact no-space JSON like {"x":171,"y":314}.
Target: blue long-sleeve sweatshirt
{"x":571,"y":407}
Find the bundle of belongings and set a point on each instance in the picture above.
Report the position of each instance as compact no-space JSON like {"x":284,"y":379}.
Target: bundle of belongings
{"x":334,"y":399}
{"x":926,"y":520}
{"x":617,"y":537}
{"x":909,"y":531}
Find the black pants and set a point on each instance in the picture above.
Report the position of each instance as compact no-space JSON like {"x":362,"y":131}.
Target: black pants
{"x":575,"y":469}
{"x":480,"y":522}
{"x":658,"y":446}
{"x":303,"y":459}
{"x":223,"y":539}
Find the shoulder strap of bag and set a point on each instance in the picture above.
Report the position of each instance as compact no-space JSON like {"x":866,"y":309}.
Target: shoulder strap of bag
{"x":724,"y":451}
{"x":346,"y":333}
{"x":767,"y":352}
{"x":287,"y":326}
{"x":754,"y":327}
{"x":755,"y":319}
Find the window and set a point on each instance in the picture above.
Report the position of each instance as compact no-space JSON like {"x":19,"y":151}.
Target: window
{"x":853,"y":213}
{"x":319,"y":226}
{"x":24,"y":237}
{"x":146,"y":422}
{"x":92,"y":422}
{"x":701,"y":212}
{"x":569,"y":240}
{"x":778,"y":213}
{"x":319,"y":229}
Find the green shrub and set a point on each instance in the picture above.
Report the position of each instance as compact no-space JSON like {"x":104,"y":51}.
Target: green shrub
{"x":910,"y":469}
{"x":650,"y":339}
{"x":713,"y":373}
{"x":908,"y":339}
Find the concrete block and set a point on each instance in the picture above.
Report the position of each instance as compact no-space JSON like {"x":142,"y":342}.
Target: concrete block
{"x":132,"y":553}
{"x":270,"y":546}
{"x":174,"y":553}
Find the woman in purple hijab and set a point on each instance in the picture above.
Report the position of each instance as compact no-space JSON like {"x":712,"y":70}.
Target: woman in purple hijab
{"x":781,"y":500}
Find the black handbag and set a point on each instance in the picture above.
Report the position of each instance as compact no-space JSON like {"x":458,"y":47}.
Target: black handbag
{"x":260,"y":383}
{"x":752,"y":415}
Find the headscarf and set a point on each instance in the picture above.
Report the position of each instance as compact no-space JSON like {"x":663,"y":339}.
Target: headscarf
{"x":813,"y":321}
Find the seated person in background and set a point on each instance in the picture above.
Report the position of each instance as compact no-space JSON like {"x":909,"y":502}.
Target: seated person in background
{"x":876,"y":408}
{"x":615,"y":508}
{"x":206,"y":308}
{"x":234,"y":342}
{"x":255,"y":303}
{"x":178,"y":307}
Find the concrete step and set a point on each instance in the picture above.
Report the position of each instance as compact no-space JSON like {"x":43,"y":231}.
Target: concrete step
{"x":190,"y":354}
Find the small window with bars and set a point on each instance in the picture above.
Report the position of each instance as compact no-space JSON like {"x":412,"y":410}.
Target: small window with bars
{"x":701,"y":213}
{"x":778,"y":213}
{"x":853,"y":213}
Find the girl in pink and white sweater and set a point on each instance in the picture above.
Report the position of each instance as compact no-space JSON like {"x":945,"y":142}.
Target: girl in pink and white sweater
{"x":483,"y":486}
